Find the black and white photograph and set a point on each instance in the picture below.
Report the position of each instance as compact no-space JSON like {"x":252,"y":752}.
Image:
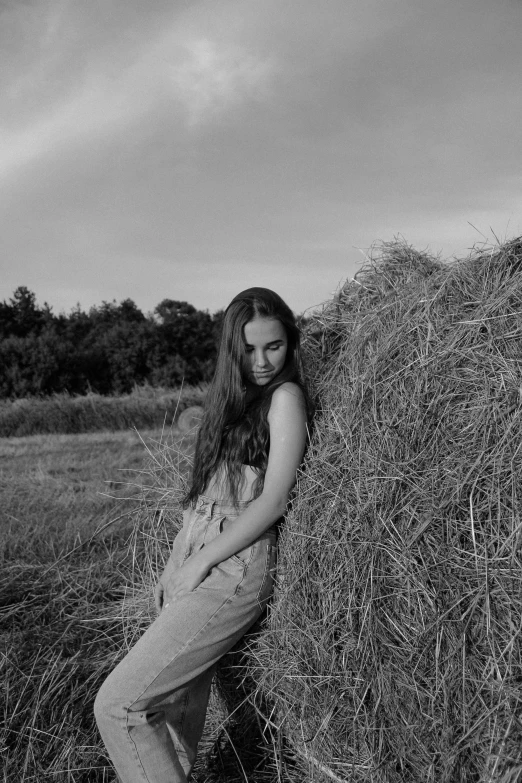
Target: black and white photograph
{"x":261,"y":391}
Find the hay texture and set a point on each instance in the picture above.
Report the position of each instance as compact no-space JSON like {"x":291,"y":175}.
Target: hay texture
{"x":393,"y":647}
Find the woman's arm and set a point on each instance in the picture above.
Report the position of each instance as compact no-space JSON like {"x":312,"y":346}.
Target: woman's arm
{"x":287,"y":423}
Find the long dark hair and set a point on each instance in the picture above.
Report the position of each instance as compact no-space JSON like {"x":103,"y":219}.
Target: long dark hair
{"x":234,"y":428}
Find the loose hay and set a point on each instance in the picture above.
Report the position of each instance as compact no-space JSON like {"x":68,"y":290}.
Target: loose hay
{"x":393,"y":648}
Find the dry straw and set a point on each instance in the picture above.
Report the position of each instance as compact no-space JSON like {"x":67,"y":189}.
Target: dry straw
{"x":393,"y":647}
{"x":69,"y":610}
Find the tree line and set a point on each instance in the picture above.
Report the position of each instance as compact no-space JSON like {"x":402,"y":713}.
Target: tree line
{"x":108,"y":349}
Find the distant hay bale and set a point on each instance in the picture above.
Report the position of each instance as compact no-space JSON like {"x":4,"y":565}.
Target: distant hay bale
{"x":392,"y":650}
{"x":189,"y":419}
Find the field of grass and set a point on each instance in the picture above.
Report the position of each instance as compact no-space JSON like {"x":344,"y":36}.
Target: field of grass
{"x":56,"y":491}
{"x":145,"y":408}
{"x":85,"y":525}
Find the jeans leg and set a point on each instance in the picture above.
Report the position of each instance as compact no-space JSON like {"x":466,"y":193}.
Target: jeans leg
{"x":186,"y":725}
{"x":116,"y":725}
{"x":161,"y":684}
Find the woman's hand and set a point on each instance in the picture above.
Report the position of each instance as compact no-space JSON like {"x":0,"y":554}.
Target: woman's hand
{"x":159,"y":590}
{"x":183,"y":580}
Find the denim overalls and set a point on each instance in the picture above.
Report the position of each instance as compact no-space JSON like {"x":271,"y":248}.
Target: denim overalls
{"x":151,"y":709}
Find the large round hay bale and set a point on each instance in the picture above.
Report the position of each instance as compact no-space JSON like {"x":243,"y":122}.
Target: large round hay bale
{"x":393,"y":647}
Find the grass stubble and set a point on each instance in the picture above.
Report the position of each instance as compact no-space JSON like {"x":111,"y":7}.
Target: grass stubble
{"x":80,"y":555}
{"x":65,"y":533}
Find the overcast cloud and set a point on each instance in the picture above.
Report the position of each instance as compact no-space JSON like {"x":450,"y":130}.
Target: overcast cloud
{"x":191,"y":149}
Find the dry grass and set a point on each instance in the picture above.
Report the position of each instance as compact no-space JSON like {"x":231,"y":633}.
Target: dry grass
{"x":67,"y":564}
{"x":76,"y":592}
{"x":55,"y":489}
{"x":393,"y":651}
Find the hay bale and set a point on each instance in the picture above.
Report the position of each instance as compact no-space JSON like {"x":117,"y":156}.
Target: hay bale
{"x":393,"y":646}
{"x":189,"y":419}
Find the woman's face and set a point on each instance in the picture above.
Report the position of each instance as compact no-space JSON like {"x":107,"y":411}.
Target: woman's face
{"x":266,"y":345}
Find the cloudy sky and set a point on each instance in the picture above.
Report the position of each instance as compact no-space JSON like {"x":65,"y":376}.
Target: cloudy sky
{"x":192,"y":148}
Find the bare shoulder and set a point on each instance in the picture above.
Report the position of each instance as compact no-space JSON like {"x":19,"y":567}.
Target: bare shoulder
{"x":288,"y":396}
{"x":289,"y":388}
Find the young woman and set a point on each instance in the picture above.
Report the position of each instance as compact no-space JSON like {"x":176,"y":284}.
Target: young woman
{"x":151,"y":709}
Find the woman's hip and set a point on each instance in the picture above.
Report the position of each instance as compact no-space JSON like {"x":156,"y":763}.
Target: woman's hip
{"x":207,"y":520}
{"x":192,"y":633}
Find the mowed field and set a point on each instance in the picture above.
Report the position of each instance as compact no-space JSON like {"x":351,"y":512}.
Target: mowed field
{"x":56,"y":489}
{"x":69,"y":506}
{"x":86,"y":521}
